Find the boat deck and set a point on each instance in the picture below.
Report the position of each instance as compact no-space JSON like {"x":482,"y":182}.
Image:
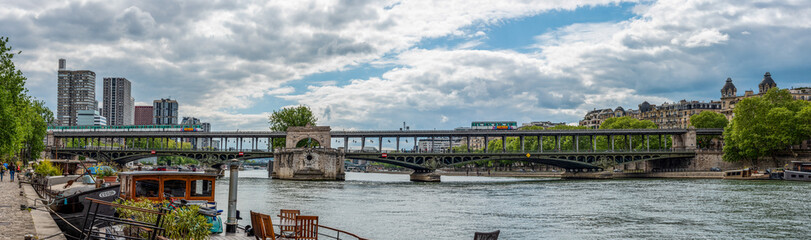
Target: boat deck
{"x":239,"y":235}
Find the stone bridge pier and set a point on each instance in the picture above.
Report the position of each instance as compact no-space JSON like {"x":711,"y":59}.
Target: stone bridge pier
{"x":307,"y":156}
{"x":425,"y":176}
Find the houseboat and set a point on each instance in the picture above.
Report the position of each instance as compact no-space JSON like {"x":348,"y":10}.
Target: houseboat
{"x":193,"y":188}
{"x":66,"y":196}
{"x":799,"y":171}
{"x":745,"y":174}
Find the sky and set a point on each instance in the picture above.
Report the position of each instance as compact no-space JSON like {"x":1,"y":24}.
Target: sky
{"x":363,"y":65}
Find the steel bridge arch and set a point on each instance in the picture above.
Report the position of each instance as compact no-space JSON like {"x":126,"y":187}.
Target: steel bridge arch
{"x":563,"y":160}
{"x":123,"y":157}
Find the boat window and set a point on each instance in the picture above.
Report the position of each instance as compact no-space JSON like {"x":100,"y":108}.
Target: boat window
{"x":147,"y":188}
{"x":174,"y":188}
{"x":201,"y":188}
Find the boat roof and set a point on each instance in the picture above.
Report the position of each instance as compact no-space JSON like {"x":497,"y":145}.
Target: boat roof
{"x":167,"y":173}
{"x":72,"y":161}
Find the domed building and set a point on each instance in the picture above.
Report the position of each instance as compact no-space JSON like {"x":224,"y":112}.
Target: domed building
{"x":729,"y":95}
{"x":766,"y":84}
{"x":729,"y":89}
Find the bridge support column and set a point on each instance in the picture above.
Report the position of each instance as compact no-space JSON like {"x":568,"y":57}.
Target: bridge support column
{"x":612,"y":142}
{"x":398,"y":145}
{"x":425,"y":176}
{"x":577,"y":143}
{"x":346,"y":144}
{"x":522,"y":143}
{"x":468,"y":143}
{"x":540,"y":143}
{"x":594,"y":143}
{"x":630,"y":143}
{"x":503,"y":143}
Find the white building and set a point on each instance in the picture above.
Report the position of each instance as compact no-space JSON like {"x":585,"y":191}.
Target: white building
{"x":90,"y":118}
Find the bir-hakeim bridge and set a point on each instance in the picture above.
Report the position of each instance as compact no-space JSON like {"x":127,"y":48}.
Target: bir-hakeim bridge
{"x":297,"y":161}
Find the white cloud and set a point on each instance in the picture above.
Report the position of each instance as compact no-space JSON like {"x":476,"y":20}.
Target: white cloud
{"x":219,"y":58}
{"x":577,"y":68}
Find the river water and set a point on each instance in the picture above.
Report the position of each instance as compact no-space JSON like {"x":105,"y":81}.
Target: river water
{"x":389,"y":206}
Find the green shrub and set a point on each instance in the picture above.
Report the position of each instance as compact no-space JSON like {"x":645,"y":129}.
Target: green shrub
{"x":46,"y":168}
{"x":186,"y":223}
{"x":180,"y":223}
{"x":104,"y":171}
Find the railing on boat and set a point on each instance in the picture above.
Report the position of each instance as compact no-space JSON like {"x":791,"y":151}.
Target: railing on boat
{"x":92,"y":230}
{"x":338,"y":232}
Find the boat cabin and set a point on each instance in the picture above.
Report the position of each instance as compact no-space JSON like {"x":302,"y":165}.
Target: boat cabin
{"x":158,"y":186}
{"x":738,"y":173}
{"x":801,"y":166}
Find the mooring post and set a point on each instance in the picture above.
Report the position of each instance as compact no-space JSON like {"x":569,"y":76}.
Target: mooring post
{"x":231,"y":223}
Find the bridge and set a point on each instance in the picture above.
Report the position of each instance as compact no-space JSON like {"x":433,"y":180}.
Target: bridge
{"x":582,"y":150}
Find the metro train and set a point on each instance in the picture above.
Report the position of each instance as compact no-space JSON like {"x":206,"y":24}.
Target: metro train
{"x":128,"y":128}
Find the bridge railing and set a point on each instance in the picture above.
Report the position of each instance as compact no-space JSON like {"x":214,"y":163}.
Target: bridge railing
{"x":544,"y":151}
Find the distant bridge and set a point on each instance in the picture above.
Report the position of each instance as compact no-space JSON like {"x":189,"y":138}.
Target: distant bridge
{"x":579,"y":157}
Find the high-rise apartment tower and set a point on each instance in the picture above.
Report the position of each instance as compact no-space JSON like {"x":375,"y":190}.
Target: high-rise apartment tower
{"x":165,"y":112}
{"x":119,"y":106}
{"x":76,"y":90}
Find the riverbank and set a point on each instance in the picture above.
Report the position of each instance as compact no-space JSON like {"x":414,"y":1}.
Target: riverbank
{"x":14,"y":223}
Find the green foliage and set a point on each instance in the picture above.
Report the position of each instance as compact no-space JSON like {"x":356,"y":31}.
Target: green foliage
{"x":638,"y":142}
{"x":308,"y":143}
{"x":176,"y":160}
{"x":709,"y":119}
{"x":765,"y":125}
{"x":186,"y":223}
{"x":104,"y":171}
{"x":180,"y":223}
{"x":23,"y":120}
{"x":290,"y":117}
{"x":627,"y":123}
{"x":46,"y":168}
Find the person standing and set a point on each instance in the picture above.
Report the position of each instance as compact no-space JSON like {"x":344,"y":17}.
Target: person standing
{"x":2,"y":172}
{"x":11,"y":168}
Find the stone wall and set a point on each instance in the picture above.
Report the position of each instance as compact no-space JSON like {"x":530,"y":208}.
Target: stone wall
{"x":308,"y":164}
{"x":705,"y":160}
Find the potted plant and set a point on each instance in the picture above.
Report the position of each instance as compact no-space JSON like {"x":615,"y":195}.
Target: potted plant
{"x":105,"y":174}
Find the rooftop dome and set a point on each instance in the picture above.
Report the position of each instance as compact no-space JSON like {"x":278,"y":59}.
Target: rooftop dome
{"x":729,"y":89}
{"x":767,"y":83}
{"x":644,"y":107}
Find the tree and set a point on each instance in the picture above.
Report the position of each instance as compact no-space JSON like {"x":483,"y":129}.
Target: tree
{"x":766,"y":125}
{"x":638,"y":141}
{"x":290,"y":117}
{"x":709,"y":119}
{"x":23,"y":120}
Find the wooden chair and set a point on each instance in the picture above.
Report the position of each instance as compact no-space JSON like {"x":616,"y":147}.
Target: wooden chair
{"x":306,"y":227}
{"x":486,"y":235}
{"x":267,"y":227}
{"x":288,"y":215}
{"x":258,"y":229}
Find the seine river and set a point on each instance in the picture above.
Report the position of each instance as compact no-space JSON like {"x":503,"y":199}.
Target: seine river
{"x":389,"y":206}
